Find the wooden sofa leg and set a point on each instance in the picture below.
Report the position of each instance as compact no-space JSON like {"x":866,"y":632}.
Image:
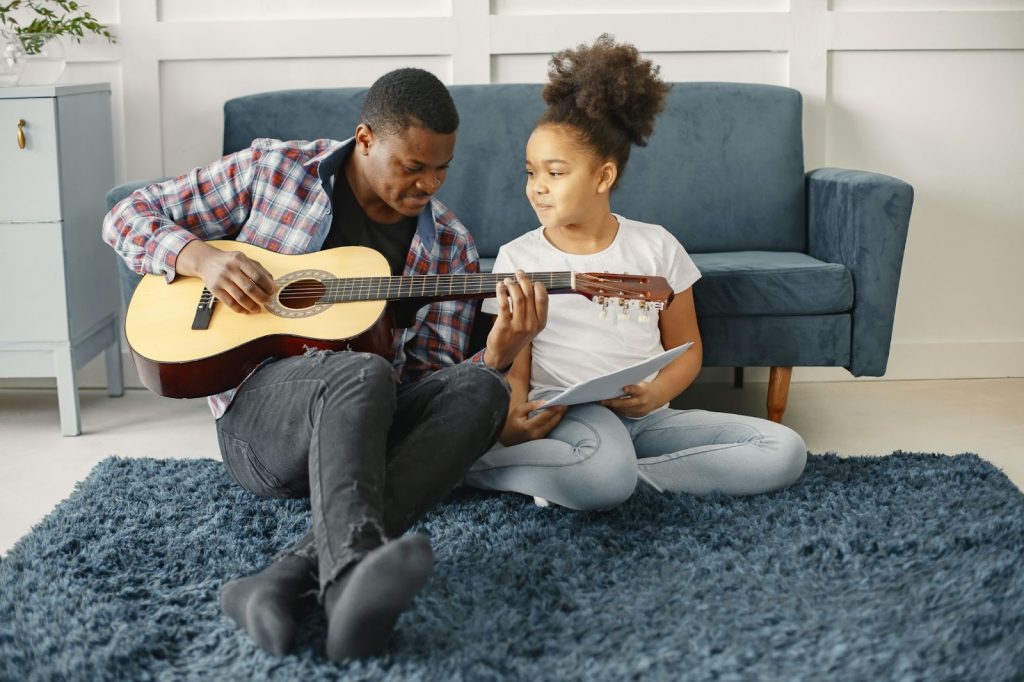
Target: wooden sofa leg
{"x":778,"y":392}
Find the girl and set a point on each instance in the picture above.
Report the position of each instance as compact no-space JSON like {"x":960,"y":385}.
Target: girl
{"x":601,"y":100}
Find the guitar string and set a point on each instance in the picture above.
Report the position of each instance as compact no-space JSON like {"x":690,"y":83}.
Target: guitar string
{"x":337,"y":294}
{"x":397,"y":290}
{"x":469,"y":276}
{"x":422,"y":284}
{"x":415,"y":284}
{"x":380,"y":287}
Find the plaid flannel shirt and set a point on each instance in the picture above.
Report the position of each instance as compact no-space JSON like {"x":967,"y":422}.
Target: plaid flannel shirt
{"x":277,"y":195}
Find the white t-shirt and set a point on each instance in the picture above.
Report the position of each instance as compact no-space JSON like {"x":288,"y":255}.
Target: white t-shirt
{"x":577,"y":344}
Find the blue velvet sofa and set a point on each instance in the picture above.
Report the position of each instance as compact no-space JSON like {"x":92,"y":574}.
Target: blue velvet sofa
{"x":799,"y":268}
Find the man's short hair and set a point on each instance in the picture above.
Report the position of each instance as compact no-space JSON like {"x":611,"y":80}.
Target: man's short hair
{"x":406,"y":97}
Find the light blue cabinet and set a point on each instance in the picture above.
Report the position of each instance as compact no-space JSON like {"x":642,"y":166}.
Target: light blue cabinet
{"x":58,"y":280}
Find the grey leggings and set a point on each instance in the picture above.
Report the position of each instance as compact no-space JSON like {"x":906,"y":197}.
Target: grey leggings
{"x":594,"y":458}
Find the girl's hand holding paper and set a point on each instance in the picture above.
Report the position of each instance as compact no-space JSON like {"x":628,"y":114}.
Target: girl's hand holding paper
{"x":639,"y":400}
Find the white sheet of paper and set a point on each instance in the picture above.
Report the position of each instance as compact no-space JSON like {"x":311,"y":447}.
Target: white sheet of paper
{"x":610,"y":385}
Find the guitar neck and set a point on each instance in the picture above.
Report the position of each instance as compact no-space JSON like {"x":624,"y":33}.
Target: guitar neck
{"x":437,"y":287}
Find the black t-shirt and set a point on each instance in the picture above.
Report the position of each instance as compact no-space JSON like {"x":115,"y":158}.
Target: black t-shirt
{"x":351,"y":226}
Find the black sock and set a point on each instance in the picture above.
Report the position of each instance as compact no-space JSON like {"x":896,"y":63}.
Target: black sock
{"x":363,"y":605}
{"x":268,"y":604}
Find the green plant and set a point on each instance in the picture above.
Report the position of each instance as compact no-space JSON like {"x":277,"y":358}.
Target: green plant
{"x":56,"y":17}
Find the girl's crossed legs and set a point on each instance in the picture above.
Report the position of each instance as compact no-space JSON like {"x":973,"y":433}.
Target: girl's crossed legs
{"x":594,"y":457}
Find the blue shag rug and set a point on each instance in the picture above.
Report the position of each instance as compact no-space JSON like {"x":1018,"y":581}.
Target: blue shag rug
{"x":907,"y":567}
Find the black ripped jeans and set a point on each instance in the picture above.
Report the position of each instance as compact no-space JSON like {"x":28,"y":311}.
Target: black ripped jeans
{"x":373,"y":457}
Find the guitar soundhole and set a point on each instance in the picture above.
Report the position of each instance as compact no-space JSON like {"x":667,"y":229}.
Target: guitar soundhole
{"x":302,"y":294}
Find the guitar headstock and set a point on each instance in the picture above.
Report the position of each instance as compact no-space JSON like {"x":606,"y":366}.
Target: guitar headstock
{"x":641,"y":291}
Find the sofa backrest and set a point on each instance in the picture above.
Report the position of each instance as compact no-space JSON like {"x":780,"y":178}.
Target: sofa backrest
{"x":723,"y":170}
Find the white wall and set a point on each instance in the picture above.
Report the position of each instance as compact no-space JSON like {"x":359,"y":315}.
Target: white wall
{"x":931,"y":91}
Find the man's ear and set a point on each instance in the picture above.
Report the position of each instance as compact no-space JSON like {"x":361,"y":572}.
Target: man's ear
{"x":606,"y":175}
{"x":364,"y":138}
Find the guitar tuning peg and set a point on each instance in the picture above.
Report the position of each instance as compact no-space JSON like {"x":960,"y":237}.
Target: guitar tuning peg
{"x":643,"y":316}
{"x":604,"y":307}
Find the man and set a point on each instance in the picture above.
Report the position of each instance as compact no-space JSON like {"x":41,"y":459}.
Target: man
{"x":372,"y":454}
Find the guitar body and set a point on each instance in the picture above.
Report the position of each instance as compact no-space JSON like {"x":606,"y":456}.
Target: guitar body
{"x":177,"y":361}
{"x":186,"y":345}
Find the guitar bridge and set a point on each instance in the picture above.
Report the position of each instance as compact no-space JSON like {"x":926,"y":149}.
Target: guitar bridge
{"x":204,"y":311}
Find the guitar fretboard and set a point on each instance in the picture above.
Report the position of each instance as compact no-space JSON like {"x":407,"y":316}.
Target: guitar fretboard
{"x":431,"y":286}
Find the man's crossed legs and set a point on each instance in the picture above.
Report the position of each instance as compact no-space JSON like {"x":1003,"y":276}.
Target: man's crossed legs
{"x":373,"y":459}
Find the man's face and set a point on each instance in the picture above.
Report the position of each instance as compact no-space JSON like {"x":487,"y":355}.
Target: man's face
{"x":403,"y":169}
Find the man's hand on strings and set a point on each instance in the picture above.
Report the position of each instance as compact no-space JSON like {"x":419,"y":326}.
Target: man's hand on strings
{"x":236,"y":280}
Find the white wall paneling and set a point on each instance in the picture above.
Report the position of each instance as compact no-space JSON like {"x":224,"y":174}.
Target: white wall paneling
{"x":737,"y":67}
{"x":928,"y":90}
{"x":925,"y":5}
{"x":617,"y":7}
{"x":193,"y":92}
{"x":949,"y":121}
{"x":275,"y":10}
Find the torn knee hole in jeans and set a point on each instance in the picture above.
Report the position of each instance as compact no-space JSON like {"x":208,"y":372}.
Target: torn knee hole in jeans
{"x":366,"y":527}
{"x":366,"y":530}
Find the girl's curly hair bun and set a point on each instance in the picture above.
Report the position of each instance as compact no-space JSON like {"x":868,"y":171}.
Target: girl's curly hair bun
{"x":608,"y":92}
{"x":608,"y":81}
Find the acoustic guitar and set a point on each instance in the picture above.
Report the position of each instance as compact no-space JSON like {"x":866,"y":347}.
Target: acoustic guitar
{"x":186,"y":345}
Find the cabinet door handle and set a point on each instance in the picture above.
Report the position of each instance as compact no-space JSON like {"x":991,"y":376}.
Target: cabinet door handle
{"x":21,"y":133}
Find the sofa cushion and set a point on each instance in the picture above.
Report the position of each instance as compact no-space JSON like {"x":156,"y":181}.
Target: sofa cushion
{"x":779,"y":341}
{"x":749,"y":283}
{"x":769,"y":283}
{"x":724,"y":170}
{"x":721,"y":154}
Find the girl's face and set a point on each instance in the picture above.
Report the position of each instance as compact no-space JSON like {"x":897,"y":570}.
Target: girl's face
{"x":565,"y":183}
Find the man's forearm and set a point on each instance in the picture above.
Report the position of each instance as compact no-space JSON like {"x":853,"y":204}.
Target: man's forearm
{"x":191,"y":258}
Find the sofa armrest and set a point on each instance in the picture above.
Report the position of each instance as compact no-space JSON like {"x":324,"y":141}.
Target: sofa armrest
{"x":116,"y":194}
{"x":860,"y":219}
